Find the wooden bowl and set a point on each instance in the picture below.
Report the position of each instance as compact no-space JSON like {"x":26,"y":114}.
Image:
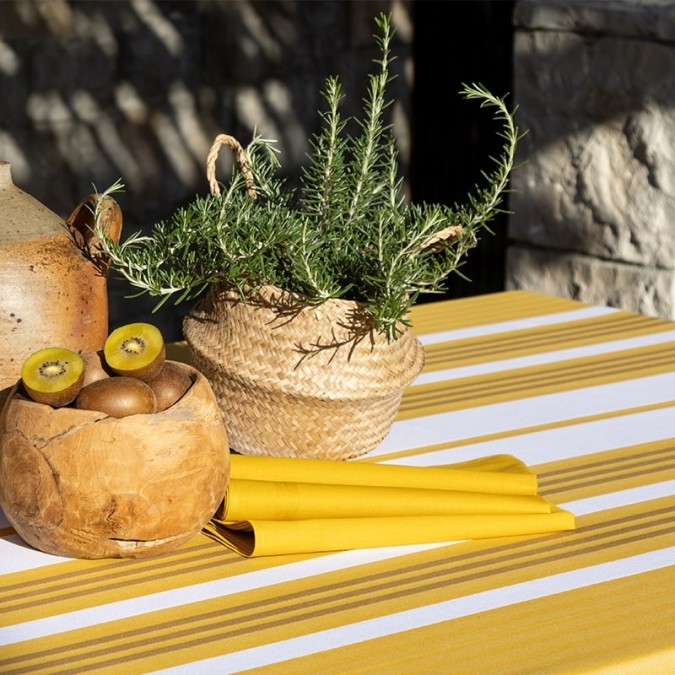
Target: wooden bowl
{"x":80,"y":484}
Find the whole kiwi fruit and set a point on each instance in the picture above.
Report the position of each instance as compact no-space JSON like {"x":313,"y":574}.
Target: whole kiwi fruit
{"x":53,"y":376}
{"x":170,"y":385}
{"x":136,"y":350}
{"x":117,"y":397}
{"x":95,"y":367}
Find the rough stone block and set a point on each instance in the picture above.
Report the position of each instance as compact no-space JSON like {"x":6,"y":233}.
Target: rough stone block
{"x":599,"y":176}
{"x":646,"y":290}
{"x":647,"y":19}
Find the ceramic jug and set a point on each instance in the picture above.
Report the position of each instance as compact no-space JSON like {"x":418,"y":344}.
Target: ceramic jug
{"x":53,"y":289}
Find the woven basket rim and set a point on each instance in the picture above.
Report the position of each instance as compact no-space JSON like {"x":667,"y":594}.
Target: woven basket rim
{"x":335,"y":365}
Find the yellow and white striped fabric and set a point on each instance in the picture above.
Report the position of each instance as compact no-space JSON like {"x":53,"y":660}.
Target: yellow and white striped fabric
{"x":584,"y":395}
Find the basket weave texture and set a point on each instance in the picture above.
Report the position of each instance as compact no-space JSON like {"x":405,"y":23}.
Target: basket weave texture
{"x":299,"y":381}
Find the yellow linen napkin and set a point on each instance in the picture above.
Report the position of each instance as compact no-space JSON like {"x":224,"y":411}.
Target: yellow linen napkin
{"x":268,"y":500}
{"x":265,"y":537}
{"x":280,"y":505}
{"x":500,"y":474}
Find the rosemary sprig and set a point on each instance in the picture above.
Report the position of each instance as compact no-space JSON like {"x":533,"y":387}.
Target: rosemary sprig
{"x":346,"y":232}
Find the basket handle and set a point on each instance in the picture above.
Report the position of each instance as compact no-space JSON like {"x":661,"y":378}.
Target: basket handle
{"x":437,"y":241}
{"x":239,"y":157}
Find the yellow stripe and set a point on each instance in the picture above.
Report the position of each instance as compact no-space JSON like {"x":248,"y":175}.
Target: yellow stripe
{"x":162,"y":639}
{"x":629,"y":467}
{"x":513,"y":344}
{"x":622,"y":626}
{"x":274,"y":613}
{"x":611,"y":471}
{"x":79,"y":584}
{"x":481,"y":310}
{"x":472,"y":440}
{"x":477,"y":390}
{"x":443,"y":315}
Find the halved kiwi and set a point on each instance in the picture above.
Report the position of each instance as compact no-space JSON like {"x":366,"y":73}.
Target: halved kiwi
{"x":135,"y":350}
{"x":53,"y":376}
{"x":170,"y":385}
{"x":117,"y":397}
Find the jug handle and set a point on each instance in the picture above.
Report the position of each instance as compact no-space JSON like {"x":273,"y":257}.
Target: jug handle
{"x":81,"y":225}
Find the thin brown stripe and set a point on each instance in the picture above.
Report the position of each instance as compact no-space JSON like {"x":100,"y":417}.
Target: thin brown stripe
{"x":484,"y":310}
{"x":225,"y":630}
{"x":526,"y":382}
{"x":616,"y":473}
{"x":649,"y":456}
{"x":207,"y":553}
{"x":589,"y":483}
{"x":563,"y":546}
{"x":415,"y":451}
{"x":533,"y":338}
{"x":619,"y":361}
{"x":113,"y":565}
{"x":112,"y":582}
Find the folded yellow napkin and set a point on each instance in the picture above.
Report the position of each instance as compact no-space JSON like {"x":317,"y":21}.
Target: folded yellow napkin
{"x":499,"y":474}
{"x":278,"y":506}
{"x":268,"y":500}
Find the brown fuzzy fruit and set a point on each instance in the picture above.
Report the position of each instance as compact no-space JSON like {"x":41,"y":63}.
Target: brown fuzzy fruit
{"x":171,"y":383}
{"x":118,"y":397}
{"x":77,"y":483}
{"x":135,"y":350}
{"x":95,"y":367}
{"x":53,"y":376}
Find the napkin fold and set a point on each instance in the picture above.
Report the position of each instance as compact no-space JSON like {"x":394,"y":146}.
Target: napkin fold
{"x":279,"y":506}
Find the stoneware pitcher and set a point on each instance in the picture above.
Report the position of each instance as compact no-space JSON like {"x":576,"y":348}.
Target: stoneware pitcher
{"x":52,"y":277}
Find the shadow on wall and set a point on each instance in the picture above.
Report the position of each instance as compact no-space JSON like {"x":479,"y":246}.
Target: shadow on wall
{"x":137,"y":89}
{"x":594,"y":204}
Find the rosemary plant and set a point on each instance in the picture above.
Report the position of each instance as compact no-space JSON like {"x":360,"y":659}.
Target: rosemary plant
{"x":347,"y":232}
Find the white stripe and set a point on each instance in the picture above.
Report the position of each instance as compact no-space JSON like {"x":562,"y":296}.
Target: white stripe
{"x":544,"y":358}
{"x":516,"y":324}
{"x":549,"y":445}
{"x":255,"y":580}
{"x":466,"y":424}
{"x":612,"y":500}
{"x":534,"y":448}
{"x":16,"y":556}
{"x":527,"y":412}
{"x":200,"y":592}
{"x":411,"y":619}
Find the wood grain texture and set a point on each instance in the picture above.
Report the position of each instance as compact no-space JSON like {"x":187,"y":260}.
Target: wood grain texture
{"x":80,"y":484}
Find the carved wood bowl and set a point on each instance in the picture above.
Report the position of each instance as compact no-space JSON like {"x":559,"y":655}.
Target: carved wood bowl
{"x":80,"y":484}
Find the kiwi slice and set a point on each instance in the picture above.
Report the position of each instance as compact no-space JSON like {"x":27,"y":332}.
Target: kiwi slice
{"x":53,"y":376}
{"x":170,"y":385}
{"x":117,"y":397}
{"x":135,"y":350}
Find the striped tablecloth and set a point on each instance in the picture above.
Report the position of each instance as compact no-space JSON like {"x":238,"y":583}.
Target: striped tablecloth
{"x":585,"y":395}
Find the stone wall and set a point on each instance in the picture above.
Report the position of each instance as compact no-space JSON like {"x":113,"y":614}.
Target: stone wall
{"x":594,"y":207}
{"x":137,"y":89}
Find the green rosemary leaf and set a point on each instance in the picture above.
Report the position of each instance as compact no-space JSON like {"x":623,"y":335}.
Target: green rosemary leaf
{"x":347,"y":232}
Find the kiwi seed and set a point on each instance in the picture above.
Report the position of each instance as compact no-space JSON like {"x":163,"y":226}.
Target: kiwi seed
{"x":53,"y":376}
{"x":117,"y":397}
{"x":170,"y":385}
{"x":135,"y":350}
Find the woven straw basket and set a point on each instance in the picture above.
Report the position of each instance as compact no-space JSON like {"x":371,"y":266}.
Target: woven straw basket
{"x":298,"y":381}
{"x":299,"y":385}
